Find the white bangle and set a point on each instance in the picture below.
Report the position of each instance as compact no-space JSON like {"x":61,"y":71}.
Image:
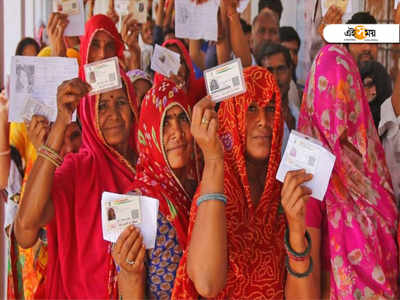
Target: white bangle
{"x":5,"y":152}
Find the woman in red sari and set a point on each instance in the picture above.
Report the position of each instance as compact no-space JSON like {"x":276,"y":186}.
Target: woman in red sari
{"x":248,"y":263}
{"x":186,"y":77}
{"x":67,"y":199}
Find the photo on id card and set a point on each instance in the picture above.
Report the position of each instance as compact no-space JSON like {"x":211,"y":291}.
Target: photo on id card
{"x":118,"y":212}
{"x":139,"y":10}
{"x":103,"y":76}
{"x":68,"y":7}
{"x":225,"y":81}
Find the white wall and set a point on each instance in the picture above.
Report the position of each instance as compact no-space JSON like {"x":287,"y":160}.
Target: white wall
{"x":12,"y":30}
{"x":289,"y":13}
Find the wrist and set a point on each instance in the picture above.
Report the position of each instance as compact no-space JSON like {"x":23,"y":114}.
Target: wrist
{"x":297,"y":240}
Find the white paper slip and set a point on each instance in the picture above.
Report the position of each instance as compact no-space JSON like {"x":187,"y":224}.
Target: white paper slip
{"x":76,"y":25}
{"x":103,"y":75}
{"x":165,"y":61}
{"x":225,"y":81}
{"x":396,"y":2}
{"x":344,"y":5}
{"x":138,"y":8}
{"x":35,"y":107}
{"x":68,"y":7}
{"x":196,"y":21}
{"x":304,"y":152}
{"x":119,"y":211}
{"x":242,"y":5}
{"x":34,"y":82}
{"x":122,"y":7}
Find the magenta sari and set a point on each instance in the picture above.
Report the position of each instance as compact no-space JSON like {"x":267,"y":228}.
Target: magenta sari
{"x":361,"y":212}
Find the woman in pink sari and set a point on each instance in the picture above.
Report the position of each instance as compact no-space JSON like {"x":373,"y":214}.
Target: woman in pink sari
{"x":355,"y":225}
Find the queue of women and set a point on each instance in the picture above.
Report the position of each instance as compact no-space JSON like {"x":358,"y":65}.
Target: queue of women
{"x":226,"y":228}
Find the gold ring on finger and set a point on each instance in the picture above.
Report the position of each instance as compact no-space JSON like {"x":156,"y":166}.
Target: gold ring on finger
{"x":204,"y":120}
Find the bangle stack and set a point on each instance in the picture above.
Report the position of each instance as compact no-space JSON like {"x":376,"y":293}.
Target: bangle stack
{"x":206,"y":197}
{"x":50,"y":155}
{"x":298,"y":256}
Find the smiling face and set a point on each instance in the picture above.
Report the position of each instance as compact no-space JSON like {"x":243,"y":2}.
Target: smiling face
{"x":177,"y":138}
{"x":259,"y":130}
{"x":115,"y":118}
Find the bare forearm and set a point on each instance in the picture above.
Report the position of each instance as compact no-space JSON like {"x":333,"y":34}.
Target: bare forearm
{"x":238,"y":40}
{"x":36,"y":208}
{"x":207,"y":258}
{"x":160,"y":13}
{"x":5,"y":158}
{"x":134,"y":59}
{"x":131,"y":287}
{"x":196,"y":54}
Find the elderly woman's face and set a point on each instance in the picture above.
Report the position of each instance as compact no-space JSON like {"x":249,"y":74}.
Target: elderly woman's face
{"x":259,"y":130}
{"x":177,"y":138}
{"x":115,"y":117}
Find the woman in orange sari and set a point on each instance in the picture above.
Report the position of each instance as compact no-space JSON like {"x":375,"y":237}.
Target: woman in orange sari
{"x":248,"y":262}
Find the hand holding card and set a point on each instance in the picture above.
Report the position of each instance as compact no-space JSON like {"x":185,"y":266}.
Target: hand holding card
{"x":103,"y":76}
{"x":120,"y":211}
{"x":225,"y":81}
{"x":303,"y":152}
{"x":165,"y":61}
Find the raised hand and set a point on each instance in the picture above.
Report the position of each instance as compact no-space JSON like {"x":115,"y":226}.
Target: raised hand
{"x":333,"y":16}
{"x":204,"y":129}
{"x":55,"y":28}
{"x":130,"y":32}
{"x":38,"y":129}
{"x":69,"y":93}
{"x":294,"y":197}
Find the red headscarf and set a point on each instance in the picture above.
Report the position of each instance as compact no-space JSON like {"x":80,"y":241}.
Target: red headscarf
{"x":255,"y":234}
{"x":80,"y":265}
{"x":195,"y":87}
{"x":155,"y":178}
{"x":93,"y":25}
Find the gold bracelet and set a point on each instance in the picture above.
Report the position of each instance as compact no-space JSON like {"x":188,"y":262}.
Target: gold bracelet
{"x":48,"y":158}
{"x":50,"y":150}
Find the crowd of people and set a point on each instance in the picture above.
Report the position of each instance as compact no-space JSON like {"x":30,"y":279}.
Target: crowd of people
{"x":226,"y":227}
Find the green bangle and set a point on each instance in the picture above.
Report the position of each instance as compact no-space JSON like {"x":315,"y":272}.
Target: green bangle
{"x":290,"y":250}
{"x":295,"y":274}
{"x":206,"y":197}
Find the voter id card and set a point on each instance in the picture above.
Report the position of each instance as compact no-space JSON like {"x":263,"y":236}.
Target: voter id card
{"x":139,"y":10}
{"x":165,"y":61}
{"x":118,"y":212}
{"x":68,"y":7}
{"x":103,"y":76}
{"x":304,"y":152}
{"x":225,"y":81}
